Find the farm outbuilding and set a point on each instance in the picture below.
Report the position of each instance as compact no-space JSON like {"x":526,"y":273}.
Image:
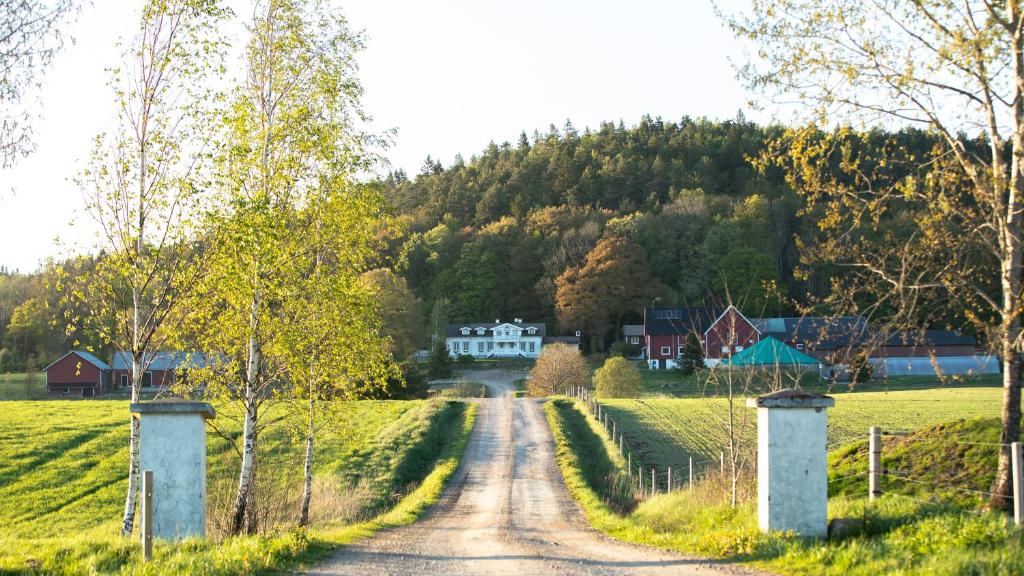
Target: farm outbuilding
{"x":77,"y":374}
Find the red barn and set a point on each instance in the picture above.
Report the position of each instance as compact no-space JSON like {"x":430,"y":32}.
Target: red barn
{"x":667,"y":329}
{"x":730,"y":333}
{"x":77,"y":374}
{"x":162,"y":368}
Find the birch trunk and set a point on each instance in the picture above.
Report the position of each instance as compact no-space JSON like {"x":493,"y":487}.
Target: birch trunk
{"x":245,"y":475}
{"x":307,"y":491}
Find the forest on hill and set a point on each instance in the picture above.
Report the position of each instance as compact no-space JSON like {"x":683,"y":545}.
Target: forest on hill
{"x":580,"y":229}
{"x":584,"y":229}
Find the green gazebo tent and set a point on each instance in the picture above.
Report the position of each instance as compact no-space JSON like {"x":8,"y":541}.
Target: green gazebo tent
{"x":770,"y":352}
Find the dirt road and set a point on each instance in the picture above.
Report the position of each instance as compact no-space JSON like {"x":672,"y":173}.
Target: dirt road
{"x":506,"y":511}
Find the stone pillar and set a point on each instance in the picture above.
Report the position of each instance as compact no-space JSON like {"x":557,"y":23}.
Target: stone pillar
{"x":792,"y":470}
{"x":173,"y":445}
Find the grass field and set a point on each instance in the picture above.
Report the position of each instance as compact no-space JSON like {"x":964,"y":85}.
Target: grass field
{"x":665,"y":432}
{"x":63,"y":470}
{"x":18,"y":386}
{"x":894,"y":535}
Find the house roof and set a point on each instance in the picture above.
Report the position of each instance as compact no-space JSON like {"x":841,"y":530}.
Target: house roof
{"x":632,"y":329}
{"x":573,"y":340}
{"x":454,"y":330}
{"x":929,"y":338}
{"x":770,"y":352}
{"x":821,"y":332}
{"x":163,"y":360}
{"x":85,"y":356}
{"x":685,"y":320}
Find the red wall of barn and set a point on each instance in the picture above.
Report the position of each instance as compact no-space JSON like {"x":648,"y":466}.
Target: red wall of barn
{"x":732,"y":329}
{"x":673,"y":341}
{"x":160,"y":377}
{"x":73,"y":369}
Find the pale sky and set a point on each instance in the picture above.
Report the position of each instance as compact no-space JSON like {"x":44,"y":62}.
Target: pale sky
{"x":450,"y":76}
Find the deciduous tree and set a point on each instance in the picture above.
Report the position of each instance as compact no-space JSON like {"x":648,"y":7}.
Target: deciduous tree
{"x":618,"y":378}
{"x":559,"y":369}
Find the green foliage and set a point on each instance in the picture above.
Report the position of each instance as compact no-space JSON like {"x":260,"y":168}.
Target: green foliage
{"x":439,"y":364}
{"x":624,"y":349}
{"x":692,"y":359}
{"x":618,"y":378}
{"x":860,"y":369}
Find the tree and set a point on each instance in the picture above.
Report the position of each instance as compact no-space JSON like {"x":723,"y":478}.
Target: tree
{"x":750,"y":277}
{"x":439,"y":363}
{"x":618,"y":378}
{"x":614,"y":281}
{"x":953,"y":68}
{"x":286,"y":211}
{"x":692,"y":358}
{"x":559,"y":369}
{"x":141,"y":187}
{"x":30,"y":38}
{"x":401,"y":313}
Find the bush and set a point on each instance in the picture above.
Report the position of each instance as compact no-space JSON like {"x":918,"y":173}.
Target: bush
{"x":625,"y":349}
{"x":466,"y":359}
{"x":618,"y":378}
{"x":559,"y":369}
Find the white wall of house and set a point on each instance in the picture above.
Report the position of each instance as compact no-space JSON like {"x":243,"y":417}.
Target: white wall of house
{"x":503,"y":341}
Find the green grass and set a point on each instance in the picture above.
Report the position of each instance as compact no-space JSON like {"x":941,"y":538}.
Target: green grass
{"x":18,"y":386}
{"x":62,"y":482}
{"x":460,"y":389}
{"x":894,"y":535}
{"x":665,"y":432}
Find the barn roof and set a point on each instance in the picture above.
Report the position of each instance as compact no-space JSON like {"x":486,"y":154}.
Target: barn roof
{"x":770,"y":352}
{"x":163,"y":360}
{"x":456,"y":329}
{"x":85,"y":356}
{"x":929,"y":338}
{"x":822,"y":332}
{"x":684,"y":320}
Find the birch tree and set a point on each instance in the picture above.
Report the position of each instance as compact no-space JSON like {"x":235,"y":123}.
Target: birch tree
{"x":141,"y":184}
{"x":954,"y":68}
{"x":291,"y":143}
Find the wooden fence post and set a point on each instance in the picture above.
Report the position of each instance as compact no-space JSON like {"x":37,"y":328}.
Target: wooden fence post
{"x":874,"y":462}
{"x":1018,"y":483}
{"x":620,"y":445}
{"x":654,"y":483}
{"x":668,"y":484}
{"x":146,"y":522}
{"x":629,"y":465}
{"x":721,"y":462}
{"x":640,"y":477}
{"x":691,"y":473}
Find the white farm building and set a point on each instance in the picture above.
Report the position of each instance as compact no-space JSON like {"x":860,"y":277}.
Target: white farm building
{"x":498,"y":339}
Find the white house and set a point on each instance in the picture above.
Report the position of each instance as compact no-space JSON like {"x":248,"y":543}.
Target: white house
{"x":496,"y":339}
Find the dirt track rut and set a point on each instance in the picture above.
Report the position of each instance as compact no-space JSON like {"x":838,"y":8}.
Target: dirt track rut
{"x":506,"y":511}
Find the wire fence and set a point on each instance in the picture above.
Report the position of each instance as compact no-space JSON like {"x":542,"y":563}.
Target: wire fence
{"x":646,"y":481}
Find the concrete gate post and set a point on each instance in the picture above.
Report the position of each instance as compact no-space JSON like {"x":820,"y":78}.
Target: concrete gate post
{"x":792,"y":471}
{"x":172,"y":444}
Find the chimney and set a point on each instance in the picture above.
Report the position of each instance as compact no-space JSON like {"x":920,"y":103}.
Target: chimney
{"x":577,"y":333}
{"x":497,"y":321}
{"x":519,"y":320}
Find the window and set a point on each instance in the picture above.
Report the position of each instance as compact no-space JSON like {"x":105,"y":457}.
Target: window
{"x":681,"y":351}
{"x":147,"y":379}
{"x":800,"y":346}
{"x":533,"y":347}
{"x":465,"y":346}
{"x":634,"y":340}
{"x":531,"y":330}
{"x":522,"y":346}
{"x":124,"y":380}
{"x":725,"y":349}
{"x":455,"y":347}
{"x":668,"y":314}
{"x":480,"y":347}
{"x":490,"y":346}
{"x":666,"y":350}
{"x":465,"y":331}
{"x":739,"y":348}
{"x":480,"y":331}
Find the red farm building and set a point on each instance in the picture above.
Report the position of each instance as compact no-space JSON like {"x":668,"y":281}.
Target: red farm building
{"x":77,"y":374}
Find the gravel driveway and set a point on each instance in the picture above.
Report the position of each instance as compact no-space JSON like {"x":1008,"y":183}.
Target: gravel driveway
{"x":506,"y":511}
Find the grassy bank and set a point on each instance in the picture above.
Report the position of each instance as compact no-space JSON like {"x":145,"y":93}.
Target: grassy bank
{"x":894,"y":535}
{"x":62,"y":467}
